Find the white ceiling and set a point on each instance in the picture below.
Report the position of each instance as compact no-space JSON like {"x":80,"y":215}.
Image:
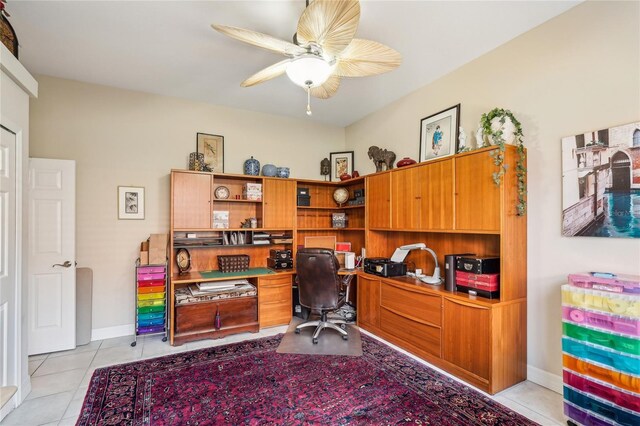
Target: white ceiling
{"x":169,"y":48}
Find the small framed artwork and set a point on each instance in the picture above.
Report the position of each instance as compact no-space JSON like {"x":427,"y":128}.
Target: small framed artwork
{"x":212,"y":146}
{"x":439,"y":134}
{"x":341,"y":163}
{"x":130,"y":202}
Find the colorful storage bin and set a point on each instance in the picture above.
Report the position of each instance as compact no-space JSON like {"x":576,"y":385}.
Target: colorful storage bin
{"x":151,"y":286}
{"x":601,"y":345}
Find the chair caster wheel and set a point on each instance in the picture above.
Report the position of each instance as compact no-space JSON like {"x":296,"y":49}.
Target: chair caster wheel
{"x":164,"y":339}
{"x":315,"y":341}
{"x":133,"y":344}
{"x":345,"y":337}
{"x":343,"y":326}
{"x":297,"y":331}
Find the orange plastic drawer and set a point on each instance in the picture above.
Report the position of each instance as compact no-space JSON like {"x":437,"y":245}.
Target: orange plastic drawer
{"x":616,"y":378}
{"x":157,"y":289}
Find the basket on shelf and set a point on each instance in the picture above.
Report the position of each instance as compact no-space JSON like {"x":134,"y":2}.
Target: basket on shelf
{"x":233,"y":263}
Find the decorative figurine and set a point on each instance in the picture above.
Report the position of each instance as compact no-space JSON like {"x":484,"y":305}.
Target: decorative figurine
{"x":252,"y":167}
{"x":462,"y":141}
{"x":382,"y":157}
{"x":325,"y":168}
{"x":480,"y":137}
{"x":282,"y":172}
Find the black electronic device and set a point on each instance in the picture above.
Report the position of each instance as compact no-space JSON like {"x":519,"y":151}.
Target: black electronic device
{"x":280,"y":263}
{"x":280,"y":254}
{"x":384,"y":267}
{"x":304,"y":200}
{"x":450,"y":261}
{"x":358,"y":193}
{"x":479,"y":264}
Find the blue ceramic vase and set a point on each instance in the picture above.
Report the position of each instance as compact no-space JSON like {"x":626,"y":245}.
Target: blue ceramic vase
{"x":269,"y":170}
{"x":282,"y":172}
{"x":252,"y":167}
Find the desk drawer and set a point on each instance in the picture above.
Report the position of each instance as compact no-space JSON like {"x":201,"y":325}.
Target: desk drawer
{"x":278,"y":313}
{"x":423,"y":336}
{"x":275,"y":293}
{"x":201,"y":316}
{"x":412,"y":304}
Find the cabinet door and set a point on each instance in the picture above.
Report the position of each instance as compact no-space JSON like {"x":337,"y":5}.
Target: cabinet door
{"x":274,"y":298}
{"x":191,"y":200}
{"x":436,"y":195}
{"x":477,"y":196}
{"x":279,"y":203}
{"x":368,"y":301}
{"x":378,"y":199}
{"x":466,"y":336}
{"x":405,"y":198}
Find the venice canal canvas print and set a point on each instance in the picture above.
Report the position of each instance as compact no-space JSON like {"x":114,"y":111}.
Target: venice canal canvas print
{"x":601,"y":183}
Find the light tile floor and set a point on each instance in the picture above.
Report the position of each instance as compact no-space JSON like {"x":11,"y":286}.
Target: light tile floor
{"x":60,"y":380}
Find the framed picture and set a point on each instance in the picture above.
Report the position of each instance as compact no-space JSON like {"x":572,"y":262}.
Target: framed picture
{"x":212,"y":146}
{"x":130,"y":202}
{"x":341,"y":163}
{"x":439,"y":134}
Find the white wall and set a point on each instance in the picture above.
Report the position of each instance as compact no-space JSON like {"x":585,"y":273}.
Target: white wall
{"x":120,"y":137}
{"x":575,"y":73}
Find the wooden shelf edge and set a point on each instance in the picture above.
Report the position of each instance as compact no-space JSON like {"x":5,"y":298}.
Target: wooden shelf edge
{"x":330,"y":229}
{"x":359,"y":206}
{"x":437,"y":231}
{"x":235,"y":200}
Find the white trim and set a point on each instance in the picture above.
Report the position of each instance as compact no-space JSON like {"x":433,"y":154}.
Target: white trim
{"x":544,"y":378}
{"x":17,"y":72}
{"x":111,"y":332}
{"x":9,"y":406}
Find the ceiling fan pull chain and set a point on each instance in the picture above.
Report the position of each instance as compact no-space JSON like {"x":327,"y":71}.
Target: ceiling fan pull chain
{"x":309,"y":100}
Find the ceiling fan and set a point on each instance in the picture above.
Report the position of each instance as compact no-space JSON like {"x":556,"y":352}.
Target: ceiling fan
{"x":323,"y":50}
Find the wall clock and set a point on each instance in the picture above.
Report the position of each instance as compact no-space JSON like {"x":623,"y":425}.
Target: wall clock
{"x":183,"y":259}
{"x":221,"y":192}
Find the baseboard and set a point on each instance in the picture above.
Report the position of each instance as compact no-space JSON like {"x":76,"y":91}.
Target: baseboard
{"x":111,"y":332}
{"x":9,"y":406}
{"x":25,"y":389}
{"x":544,"y":378}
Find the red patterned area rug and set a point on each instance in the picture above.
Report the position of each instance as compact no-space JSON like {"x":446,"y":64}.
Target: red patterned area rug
{"x":249,"y":383}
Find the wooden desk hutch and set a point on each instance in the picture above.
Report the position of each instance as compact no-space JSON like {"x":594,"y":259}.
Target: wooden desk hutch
{"x":451,"y":204}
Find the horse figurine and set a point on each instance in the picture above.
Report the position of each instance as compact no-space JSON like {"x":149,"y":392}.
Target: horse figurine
{"x":382,"y":157}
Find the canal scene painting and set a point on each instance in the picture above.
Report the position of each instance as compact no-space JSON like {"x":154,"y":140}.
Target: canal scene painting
{"x":601,"y":183}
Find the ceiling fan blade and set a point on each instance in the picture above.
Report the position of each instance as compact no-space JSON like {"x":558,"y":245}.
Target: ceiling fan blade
{"x":328,"y":89}
{"x":268,"y":73}
{"x":366,"y":57}
{"x":331,"y":24}
{"x":261,"y":40}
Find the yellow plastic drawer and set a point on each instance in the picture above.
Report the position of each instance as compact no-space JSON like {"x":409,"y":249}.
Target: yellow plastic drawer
{"x":617,"y":304}
{"x":153,"y":302}
{"x":151,"y":296}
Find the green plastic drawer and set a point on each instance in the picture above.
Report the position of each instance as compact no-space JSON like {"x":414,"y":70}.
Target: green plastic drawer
{"x":612,"y":341}
{"x":150,"y":309}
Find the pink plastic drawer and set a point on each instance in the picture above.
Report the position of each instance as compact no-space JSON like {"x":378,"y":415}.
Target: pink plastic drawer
{"x":603,"y":321}
{"x":150,"y":277}
{"x":619,"y":284}
{"x":611,"y":394}
{"x":150,"y":269}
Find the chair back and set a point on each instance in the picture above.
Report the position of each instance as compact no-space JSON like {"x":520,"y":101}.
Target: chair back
{"x":318,"y":280}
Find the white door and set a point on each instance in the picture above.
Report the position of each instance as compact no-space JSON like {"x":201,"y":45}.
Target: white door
{"x":8,"y":266}
{"x":52,"y":253}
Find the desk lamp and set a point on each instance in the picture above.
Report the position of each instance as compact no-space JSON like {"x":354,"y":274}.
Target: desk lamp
{"x":435,"y":279}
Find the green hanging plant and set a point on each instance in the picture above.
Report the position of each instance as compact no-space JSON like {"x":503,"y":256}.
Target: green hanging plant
{"x":497,"y":138}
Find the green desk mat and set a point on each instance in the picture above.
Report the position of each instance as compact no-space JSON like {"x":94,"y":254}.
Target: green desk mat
{"x":250,"y":271}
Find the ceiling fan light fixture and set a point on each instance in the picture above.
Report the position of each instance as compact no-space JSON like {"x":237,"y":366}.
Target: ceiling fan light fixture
{"x":309,"y":70}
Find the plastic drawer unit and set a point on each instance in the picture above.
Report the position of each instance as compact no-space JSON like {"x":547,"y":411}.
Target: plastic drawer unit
{"x":151,"y":300}
{"x":601,"y":351}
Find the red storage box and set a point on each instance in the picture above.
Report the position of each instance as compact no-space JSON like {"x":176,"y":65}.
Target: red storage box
{"x":486,"y":282}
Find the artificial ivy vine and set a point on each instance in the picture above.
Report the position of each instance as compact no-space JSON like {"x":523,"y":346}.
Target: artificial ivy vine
{"x":497,"y":138}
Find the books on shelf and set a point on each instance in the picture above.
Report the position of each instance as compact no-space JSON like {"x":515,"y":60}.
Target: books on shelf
{"x":261,"y":238}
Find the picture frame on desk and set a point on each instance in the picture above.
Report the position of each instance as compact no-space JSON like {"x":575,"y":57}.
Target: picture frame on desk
{"x":212,"y":146}
{"x":439,"y":134}
{"x":131,"y":202}
{"x":341,"y":163}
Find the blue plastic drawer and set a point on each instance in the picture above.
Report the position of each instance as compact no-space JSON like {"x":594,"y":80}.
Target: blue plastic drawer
{"x":151,"y":315}
{"x":613,"y":412}
{"x":151,"y":322}
{"x":618,"y":361}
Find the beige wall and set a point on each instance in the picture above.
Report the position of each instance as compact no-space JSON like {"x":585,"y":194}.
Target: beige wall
{"x":119,"y":137}
{"x":576,"y":73}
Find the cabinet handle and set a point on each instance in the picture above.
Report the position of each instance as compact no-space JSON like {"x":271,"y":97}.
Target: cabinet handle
{"x":467,"y":304}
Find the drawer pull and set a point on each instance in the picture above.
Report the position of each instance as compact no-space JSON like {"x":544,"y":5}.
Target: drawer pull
{"x":414,"y":319}
{"x":470,"y":305}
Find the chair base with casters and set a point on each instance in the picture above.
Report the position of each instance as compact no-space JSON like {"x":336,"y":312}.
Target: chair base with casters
{"x":321,"y":324}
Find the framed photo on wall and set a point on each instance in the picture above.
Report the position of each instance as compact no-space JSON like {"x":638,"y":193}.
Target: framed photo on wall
{"x":439,"y":134}
{"x":341,"y":163}
{"x":130,"y":202}
{"x":212,"y":146}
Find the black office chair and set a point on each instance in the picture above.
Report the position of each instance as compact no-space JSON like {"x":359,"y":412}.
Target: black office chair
{"x":321,"y":288}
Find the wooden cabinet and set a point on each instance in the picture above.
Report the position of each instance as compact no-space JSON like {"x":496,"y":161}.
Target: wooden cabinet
{"x":279,"y":200}
{"x":191,"y":200}
{"x":368,"y":301}
{"x":478,"y":201}
{"x":275,"y":304}
{"x":422,"y":197}
{"x":379,"y":201}
{"x":466,"y":337}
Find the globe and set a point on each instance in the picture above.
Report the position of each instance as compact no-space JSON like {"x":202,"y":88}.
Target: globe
{"x":341,"y":195}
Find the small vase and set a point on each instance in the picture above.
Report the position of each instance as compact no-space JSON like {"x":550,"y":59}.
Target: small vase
{"x":269,"y":170}
{"x":406,"y":161}
{"x":282,"y":172}
{"x":252,"y":167}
